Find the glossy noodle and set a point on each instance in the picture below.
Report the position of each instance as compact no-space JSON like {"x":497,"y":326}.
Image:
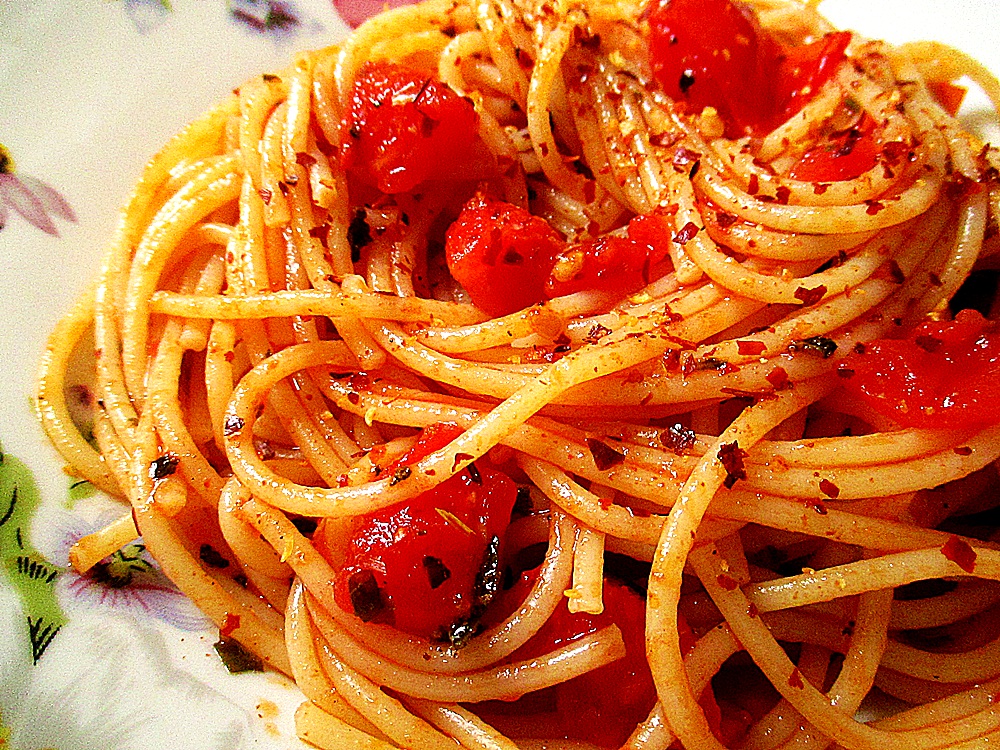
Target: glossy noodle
{"x":544,"y":379}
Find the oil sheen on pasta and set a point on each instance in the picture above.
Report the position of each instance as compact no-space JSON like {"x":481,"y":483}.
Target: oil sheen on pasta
{"x":572,"y":375}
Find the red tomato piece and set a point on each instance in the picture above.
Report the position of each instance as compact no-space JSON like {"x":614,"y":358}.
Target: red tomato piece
{"x":415,"y":565}
{"x":403,"y":128}
{"x":804,"y":69}
{"x":949,"y":95}
{"x":944,"y":374}
{"x":605,"y":705}
{"x":501,"y":254}
{"x":715,"y":53}
{"x":616,"y":264}
{"x":843,"y":157}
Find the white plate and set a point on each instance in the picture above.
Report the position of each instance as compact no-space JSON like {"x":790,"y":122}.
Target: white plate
{"x":90,"y":91}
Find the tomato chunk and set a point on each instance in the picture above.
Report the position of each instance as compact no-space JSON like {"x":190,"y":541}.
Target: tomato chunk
{"x":605,"y":705}
{"x":508,"y":259}
{"x":415,"y":565}
{"x":944,"y":374}
{"x":403,"y":128}
{"x":803,"y":70}
{"x":501,"y":254}
{"x":615,"y":264}
{"x":715,"y":53}
{"x":844,"y":156}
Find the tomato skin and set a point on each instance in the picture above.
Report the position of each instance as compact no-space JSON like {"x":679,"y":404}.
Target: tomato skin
{"x":715,"y":53}
{"x":619,"y":264}
{"x":423,"y":554}
{"x":803,"y":70}
{"x":712,"y":53}
{"x":403,"y":128}
{"x":944,"y":374}
{"x":843,"y":157}
{"x":603,"y":706}
{"x":501,"y":254}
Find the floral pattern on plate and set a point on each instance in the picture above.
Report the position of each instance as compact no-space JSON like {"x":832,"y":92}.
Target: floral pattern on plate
{"x":36,"y":201}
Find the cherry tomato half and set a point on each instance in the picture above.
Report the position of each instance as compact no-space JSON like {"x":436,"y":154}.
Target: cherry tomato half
{"x":404,"y":127}
{"x":944,"y":374}
{"x":715,"y":53}
{"x":414,"y":565}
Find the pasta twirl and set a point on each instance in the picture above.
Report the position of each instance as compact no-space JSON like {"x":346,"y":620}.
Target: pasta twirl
{"x":571,"y":375}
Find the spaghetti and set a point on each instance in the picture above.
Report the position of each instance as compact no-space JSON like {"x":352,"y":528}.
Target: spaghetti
{"x":571,"y":375}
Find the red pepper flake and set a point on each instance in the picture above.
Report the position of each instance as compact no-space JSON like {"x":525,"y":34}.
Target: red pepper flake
{"x":961,"y":553}
{"x":589,"y":191}
{"x":164,"y":466}
{"x":354,"y":398}
{"x":782,"y":194}
{"x":664,"y":140}
{"x":751,"y":348}
{"x":229,"y":624}
{"x":343,"y":480}
{"x":265,"y":195}
{"x":935,"y":279}
{"x":844,"y":372}
{"x":753,"y":611}
{"x":873,"y":207}
{"x":963,"y":450}
{"x":321,"y":233}
{"x":753,"y":186}
{"x":232,"y":425}
{"x":687,"y":233}
{"x":596,"y":333}
{"x":724,"y":219}
{"x":894,"y":152}
{"x":778,"y":377}
{"x":829,"y":489}
{"x":604,"y":455}
{"x":727,"y":582}
{"x":810,"y":296}
{"x":795,"y":679}
{"x":544,"y":148}
{"x":731,"y":456}
{"x":304,"y":159}
{"x":605,"y":502}
{"x":820,"y":187}
{"x":678,"y":438}
{"x":684,"y":157}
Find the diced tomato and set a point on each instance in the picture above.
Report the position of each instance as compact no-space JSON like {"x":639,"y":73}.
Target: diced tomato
{"x":404,"y":127}
{"x":949,"y":95}
{"x":605,"y":705}
{"x":616,"y":264}
{"x":415,"y":565}
{"x":715,"y":53}
{"x":508,"y":259}
{"x":844,"y":156}
{"x":803,"y":70}
{"x":501,"y":254}
{"x":944,"y":374}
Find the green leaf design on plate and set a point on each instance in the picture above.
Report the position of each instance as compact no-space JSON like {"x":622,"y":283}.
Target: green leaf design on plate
{"x":32,"y":576}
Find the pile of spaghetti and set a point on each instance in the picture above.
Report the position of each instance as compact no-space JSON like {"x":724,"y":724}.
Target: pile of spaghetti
{"x":571,"y":374}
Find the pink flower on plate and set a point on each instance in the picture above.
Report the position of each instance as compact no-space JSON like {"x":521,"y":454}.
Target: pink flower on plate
{"x":356,"y":12}
{"x":30,"y":197}
{"x":128,"y":581}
